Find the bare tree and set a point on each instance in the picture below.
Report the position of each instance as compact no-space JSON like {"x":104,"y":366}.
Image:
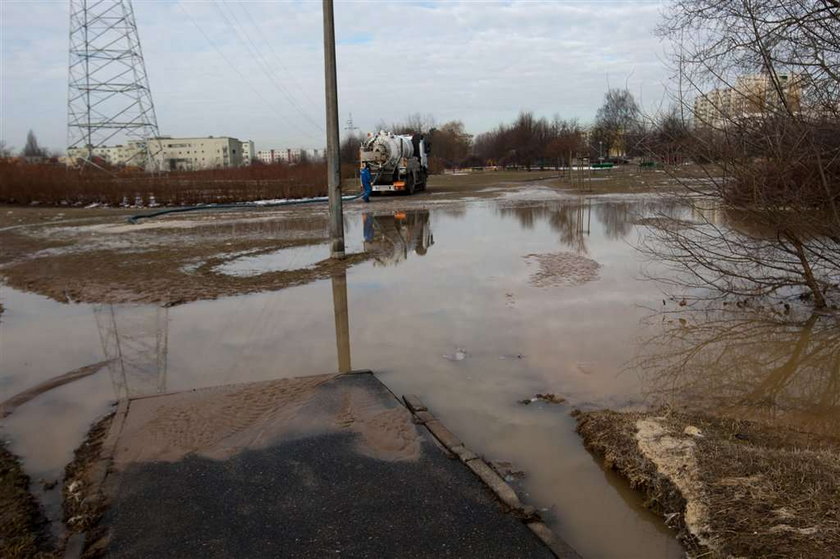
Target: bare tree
{"x":415,"y":123}
{"x":762,"y":75}
{"x":567,"y":142}
{"x":450,"y":144}
{"x":616,"y":121}
{"x":529,"y":141}
{"x":32,"y":149}
{"x":349,"y":149}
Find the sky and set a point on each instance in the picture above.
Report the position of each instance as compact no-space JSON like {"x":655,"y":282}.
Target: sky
{"x":254,"y":69}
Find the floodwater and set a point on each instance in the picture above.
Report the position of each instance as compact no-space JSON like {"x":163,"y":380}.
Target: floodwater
{"x":294,"y":258}
{"x":452,"y":307}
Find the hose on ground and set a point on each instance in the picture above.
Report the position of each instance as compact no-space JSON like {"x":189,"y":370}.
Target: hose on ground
{"x":238,"y":206}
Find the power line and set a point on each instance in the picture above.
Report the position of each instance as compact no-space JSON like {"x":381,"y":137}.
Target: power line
{"x":240,"y":74}
{"x":248,"y":43}
{"x":279,"y":59}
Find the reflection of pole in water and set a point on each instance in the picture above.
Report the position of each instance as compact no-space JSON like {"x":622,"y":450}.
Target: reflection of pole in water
{"x":135,"y":340}
{"x":342,"y":321}
{"x":584,"y":210}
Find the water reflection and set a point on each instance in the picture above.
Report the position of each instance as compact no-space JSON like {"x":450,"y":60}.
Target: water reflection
{"x":342,"y":321}
{"x":391,"y":237}
{"x":617,"y":218}
{"x":758,"y":365}
{"x":571,"y":220}
{"x":135,"y":340}
{"x":476,"y":294}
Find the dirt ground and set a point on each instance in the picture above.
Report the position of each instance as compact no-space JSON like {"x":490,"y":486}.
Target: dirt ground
{"x":94,"y":255}
{"x":731,"y":488}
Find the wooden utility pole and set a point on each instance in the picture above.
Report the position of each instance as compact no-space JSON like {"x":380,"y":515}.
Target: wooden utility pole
{"x":333,"y":161}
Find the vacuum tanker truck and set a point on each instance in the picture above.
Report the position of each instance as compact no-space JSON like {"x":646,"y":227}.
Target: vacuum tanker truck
{"x":398,"y":162}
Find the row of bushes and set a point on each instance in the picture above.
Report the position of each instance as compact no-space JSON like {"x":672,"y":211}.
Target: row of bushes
{"x":51,"y":184}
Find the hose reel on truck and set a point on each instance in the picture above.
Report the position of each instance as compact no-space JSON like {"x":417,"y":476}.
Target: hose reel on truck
{"x":399,"y":163}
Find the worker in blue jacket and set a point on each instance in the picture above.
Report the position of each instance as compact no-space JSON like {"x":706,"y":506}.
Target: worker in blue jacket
{"x":367,"y":187}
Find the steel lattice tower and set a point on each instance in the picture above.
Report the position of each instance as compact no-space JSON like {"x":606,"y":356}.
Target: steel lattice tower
{"x":109,"y":100}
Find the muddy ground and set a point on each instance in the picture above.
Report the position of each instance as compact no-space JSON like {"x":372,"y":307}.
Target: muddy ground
{"x":95,"y":256}
{"x":731,"y":488}
{"x":24,"y":529}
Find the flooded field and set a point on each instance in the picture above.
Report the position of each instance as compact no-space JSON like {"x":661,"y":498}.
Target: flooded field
{"x":474,"y":306}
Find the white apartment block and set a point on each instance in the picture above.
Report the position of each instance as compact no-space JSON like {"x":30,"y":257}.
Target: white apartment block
{"x":133,"y":153}
{"x":192,"y":154}
{"x":247,"y":152}
{"x":752,"y":96}
{"x":289,"y":155}
{"x":174,"y":154}
{"x":268,"y":156}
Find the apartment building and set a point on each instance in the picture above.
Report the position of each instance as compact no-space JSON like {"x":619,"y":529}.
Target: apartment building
{"x":752,"y":96}
{"x":165,"y":153}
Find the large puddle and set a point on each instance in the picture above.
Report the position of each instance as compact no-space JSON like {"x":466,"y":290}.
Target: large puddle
{"x":473,"y":308}
{"x":286,"y":259}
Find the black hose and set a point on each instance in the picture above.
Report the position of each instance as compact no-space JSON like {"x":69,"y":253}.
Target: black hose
{"x":238,"y":206}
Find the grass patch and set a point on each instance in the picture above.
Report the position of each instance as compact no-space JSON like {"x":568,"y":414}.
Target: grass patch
{"x":731,"y":488}
{"x":84,"y":502}
{"x":23,"y":527}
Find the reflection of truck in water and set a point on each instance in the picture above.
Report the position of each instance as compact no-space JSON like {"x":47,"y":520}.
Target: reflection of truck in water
{"x":398,"y":163}
{"x":390,"y":237}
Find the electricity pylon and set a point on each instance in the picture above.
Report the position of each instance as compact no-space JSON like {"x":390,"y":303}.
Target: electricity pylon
{"x":350,"y":126}
{"x":109,"y":100}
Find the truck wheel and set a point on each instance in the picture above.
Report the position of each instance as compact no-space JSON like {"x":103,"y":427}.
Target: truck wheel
{"x":409,"y":184}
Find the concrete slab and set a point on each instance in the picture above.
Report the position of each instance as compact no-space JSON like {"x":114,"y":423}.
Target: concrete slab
{"x":314,"y":467}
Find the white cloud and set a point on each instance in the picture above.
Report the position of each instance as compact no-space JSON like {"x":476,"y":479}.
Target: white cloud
{"x":480,"y":62}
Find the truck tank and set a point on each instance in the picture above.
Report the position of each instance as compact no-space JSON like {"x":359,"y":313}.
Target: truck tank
{"x":398,"y":163}
{"x":386,"y":151}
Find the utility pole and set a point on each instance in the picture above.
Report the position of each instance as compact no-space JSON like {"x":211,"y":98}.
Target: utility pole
{"x":333,"y":162}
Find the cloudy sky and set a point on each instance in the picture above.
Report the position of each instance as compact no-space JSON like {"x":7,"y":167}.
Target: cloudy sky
{"x":254,"y":69}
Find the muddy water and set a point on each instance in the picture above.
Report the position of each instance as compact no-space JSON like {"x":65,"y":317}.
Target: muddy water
{"x":294,"y":258}
{"x":454,"y":307}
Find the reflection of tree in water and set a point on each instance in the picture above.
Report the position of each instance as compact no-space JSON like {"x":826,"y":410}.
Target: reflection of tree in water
{"x":453,"y":211}
{"x":391,"y":237}
{"x":571,"y":220}
{"x":617,"y":218}
{"x":754,"y":365}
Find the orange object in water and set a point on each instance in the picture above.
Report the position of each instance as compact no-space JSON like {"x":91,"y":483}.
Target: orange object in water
{"x":399,"y":215}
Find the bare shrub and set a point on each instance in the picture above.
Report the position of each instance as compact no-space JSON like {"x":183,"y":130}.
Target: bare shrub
{"x":770,"y":140}
{"x":56,"y":184}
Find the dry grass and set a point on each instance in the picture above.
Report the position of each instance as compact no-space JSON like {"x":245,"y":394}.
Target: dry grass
{"x":84,"y":502}
{"x":764,"y":492}
{"x":620,"y":179}
{"x":23,"y":529}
